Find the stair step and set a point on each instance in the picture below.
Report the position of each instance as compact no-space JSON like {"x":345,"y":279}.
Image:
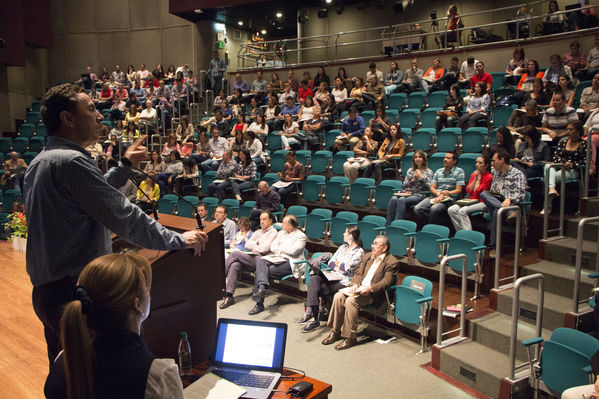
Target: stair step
{"x":592,"y":208}
{"x":589,"y":231}
{"x":494,"y":331}
{"x":485,"y":367}
{"x":559,"y":278}
{"x":563,"y":250}
{"x":555,"y":306}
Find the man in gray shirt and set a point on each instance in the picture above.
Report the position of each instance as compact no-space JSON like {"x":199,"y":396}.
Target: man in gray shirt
{"x":216,"y":70}
{"x":72,"y":209}
{"x":412,"y":78}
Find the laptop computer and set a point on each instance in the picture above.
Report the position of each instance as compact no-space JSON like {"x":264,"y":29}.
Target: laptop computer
{"x":250,"y":354}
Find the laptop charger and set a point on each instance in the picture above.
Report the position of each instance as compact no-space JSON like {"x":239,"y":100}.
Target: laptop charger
{"x":301,"y":389}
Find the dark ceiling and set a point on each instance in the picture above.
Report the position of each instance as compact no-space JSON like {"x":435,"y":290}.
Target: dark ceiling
{"x":255,"y":15}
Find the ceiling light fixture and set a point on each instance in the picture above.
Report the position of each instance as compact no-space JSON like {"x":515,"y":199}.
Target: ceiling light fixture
{"x":328,"y":1}
{"x":279,"y":14}
{"x":263,"y":31}
{"x":198,"y":11}
{"x":323,"y":13}
{"x":240,"y":23}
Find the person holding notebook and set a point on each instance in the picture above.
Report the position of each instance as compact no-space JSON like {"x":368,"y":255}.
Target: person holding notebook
{"x":377,"y":272}
{"x":343,"y":265}
{"x":286,"y":248}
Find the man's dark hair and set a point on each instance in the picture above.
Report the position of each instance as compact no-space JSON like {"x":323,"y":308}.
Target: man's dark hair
{"x":470,"y":60}
{"x":371,"y":65}
{"x":353,"y":110}
{"x":560,"y":94}
{"x":455,"y":59}
{"x":292,"y":221}
{"x":289,"y":98}
{"x":202,"y":205}
{"x":502,"y":154}
{"x":269,"y":213}
{"x":223,"y":207}
{"x":454,"y":155}
{"x":57,"y":99}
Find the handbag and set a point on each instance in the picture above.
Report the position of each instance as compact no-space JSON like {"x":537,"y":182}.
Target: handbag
{"x":466,"y":202}
{"x":447,"y":113}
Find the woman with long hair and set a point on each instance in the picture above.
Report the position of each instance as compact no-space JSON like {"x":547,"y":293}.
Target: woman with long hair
{"x":254,"y":145}
{"x":188,"y":177}
{"x":131,"y":133}
{"x":532,"y":73}
{"x":452,"y":109}
{"x":322,"y":92}
{"x":416,"y":183}
{"x":306,"y":111}
{"x":148,"y":193}
{"x":132,"y":115}
{"x":275,"y":82}
{"x":259,"y":126}
{"x":156,"y":165}
{"x":393,"y":78}
{"x":289,"y":133}
{"x":480,"y":181}
{"x":321,"y":76}
{"x":571,"y":151}
{"x":539,"y":94}
{"x":393,"y":147}
{"x":477,"y":107}
{"x":343,"y":264}
{"x":380,"y":124}
{"x":505,"y":140}
{"x":184,"y":129}
{"x":515,"y":67}
{"x":174,"y":168}
{"x":111,"y":301}
{"x":271,"y":112}
{"x":170,"y":145}
{"x":565,"y":86}
{"x":245,"y":176}
{"x":532,"y":153}
{"x":202,"y":148}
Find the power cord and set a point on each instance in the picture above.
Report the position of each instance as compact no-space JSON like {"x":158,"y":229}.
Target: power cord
{"x":294,"y":378}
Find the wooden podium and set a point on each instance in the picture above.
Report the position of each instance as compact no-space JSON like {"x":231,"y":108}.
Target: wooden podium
{"x":185,"y":289}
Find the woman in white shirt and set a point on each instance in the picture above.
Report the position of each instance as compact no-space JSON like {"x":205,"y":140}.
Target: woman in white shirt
{"x":290,"y":129}
{"x":255,"y":147}
{"x":259,"y":126}
{"x":306,"y":111}
{"x":111,"y":301}
{"x":340,"y":93}
{"x":271,"y":112}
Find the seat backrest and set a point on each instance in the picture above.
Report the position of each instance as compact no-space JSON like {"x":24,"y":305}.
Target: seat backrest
{"x":335,"y":188}
{"x":409,"y":117}
{"x":322,"y":212}
{"x":314,"y":225}
{"x":384,"y":192}
{"x":427,"y":248}
{"x":26,"y":130}
{"x":562,"y":367}
{"x":368,"y":232}
{"x":501,"y":115}
{"x":398,"y":240}
{"x":406,"y":163}
{"x":435,"y":161}
{"x":422,"y":139}
{"x":437,"y":99}
{"x":441,"y":231}
{"x":408,"y":225}
{"x":277,"y":160}
{"x":270,"y":178}
{"x":412,"y":288}
{"x":311,"y":187}
{"x":578,"y":340}
{"x":416,"y":99}
{"x":446,"y":141}
{"x":464,"y":246}
{"x":429,"y":117}
{"x":245,"y":209}
{"x":378,"y":220}
{"x":339,"y":159}
{"x":397,"y":101}
{"x":338,"y":225}
{"x":476,"y":236}
{"x":360,"y":191}
{"x":351,"y":216}
{"x":166,"y":206}
{"x":467,"y":162}
{"x":273,"y":141}
{"x":497,"y":80}
{"x":320,"y":161}
{"x":472,"y":141}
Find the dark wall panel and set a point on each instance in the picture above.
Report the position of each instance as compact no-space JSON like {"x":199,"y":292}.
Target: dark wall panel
{"x":38,"y":23}
{"x":12,"y":32}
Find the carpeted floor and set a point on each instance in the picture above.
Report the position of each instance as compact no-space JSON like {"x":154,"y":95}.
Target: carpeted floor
{"x":369,"y":370}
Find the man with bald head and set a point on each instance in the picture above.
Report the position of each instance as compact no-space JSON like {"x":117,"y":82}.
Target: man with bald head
{"x":267,"y":200}
{"x":287,"y":247}
{"x":14,"y":170}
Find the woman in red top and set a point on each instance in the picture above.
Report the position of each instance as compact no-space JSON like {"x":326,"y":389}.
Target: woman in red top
{"x":480,"y":180}
{"x":240,"y":125}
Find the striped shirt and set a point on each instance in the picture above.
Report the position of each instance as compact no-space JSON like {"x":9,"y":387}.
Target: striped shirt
{"x":449,"y":181}
{"x":558,"y":121}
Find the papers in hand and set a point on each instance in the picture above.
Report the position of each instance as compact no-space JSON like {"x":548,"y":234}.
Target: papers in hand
{"x":274,"y":259}
{"x":332,"y":275}
{"x":402,"y":194}
{"x":218,"y":181}
{"x":210,"y":386}
{"x":347,"y":291}
{"x":281,"y":184}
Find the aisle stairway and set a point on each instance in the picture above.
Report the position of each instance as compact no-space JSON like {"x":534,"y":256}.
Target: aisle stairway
{"x":482,"y":361}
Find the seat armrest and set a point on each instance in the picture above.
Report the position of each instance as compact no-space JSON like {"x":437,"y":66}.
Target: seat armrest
{"x":532,"y":341}
{"x":425,"y":299}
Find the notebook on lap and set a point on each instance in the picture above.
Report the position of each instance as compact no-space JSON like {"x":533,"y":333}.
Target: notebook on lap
{"x":250,"y":354}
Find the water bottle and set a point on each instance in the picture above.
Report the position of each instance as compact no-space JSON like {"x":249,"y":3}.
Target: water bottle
{"x":185,"y":363}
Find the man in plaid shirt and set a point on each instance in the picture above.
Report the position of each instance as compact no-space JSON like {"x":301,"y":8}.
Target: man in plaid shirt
{"x":507,"y":188}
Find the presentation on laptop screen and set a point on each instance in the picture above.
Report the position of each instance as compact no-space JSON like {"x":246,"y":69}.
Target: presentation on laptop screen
{"x":250,"y":345}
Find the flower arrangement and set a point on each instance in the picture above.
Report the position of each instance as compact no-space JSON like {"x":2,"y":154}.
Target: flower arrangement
{"x":16,"y":225}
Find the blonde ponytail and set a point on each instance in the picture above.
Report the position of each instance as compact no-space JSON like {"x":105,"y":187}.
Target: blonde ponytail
{"x":77,"y":352}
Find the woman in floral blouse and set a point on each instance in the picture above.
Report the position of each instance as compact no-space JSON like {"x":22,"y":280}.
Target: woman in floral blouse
{"x":343,"y":264}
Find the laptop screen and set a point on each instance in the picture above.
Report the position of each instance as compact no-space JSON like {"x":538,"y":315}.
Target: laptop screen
{"x":247,"y":344}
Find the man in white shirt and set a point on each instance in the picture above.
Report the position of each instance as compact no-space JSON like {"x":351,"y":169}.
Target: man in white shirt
{"x":467,"y":71}
{"x":229,"y":226}
{"x":377,"y":272}
{"x":218,"y":146}
{"x":373,"y":71}
{"x":148,"y":115}
{"x":287,"y":247}
{"x":258,"y":245}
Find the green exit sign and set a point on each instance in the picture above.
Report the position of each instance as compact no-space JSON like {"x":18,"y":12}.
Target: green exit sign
{"x":220,"y":45}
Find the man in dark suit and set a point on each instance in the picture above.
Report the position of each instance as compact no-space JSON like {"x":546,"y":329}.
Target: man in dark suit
{"x":377,"y":273}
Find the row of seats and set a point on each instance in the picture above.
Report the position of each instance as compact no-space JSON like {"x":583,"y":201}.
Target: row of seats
{"x":21,"y":144}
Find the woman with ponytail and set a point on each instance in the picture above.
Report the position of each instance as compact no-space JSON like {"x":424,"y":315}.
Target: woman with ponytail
{"x":104,"y":355}
{"x":342,"y":265}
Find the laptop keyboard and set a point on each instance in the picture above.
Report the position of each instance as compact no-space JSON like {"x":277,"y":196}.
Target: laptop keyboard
{"x":245,"y":379}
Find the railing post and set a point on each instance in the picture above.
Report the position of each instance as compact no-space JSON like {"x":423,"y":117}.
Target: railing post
{"x":546,"y":204}
{"x":515,"y":314}
{"x":462,"y":328}
{"x":499,"y":225}
{"x":578,"y":265}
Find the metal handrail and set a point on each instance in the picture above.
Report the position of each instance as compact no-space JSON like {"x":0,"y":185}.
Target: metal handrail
{"x":243,"y":54}
{"x":499,"y":225}
{"x":516,"y":313}
{"x":562,"y":201}
{"x":462,"y":328}
{"x":587,"y":172}
{"x":579,"y":242}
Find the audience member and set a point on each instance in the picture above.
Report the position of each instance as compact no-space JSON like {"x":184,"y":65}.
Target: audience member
{"x":416,"y":183}
{"x":481,"y":76}
{"x":306,"y":111}
{"x":229,"y":226}
{"x":14,"y":172}
{"x":313,"y":128}
{"x":377,"y":272}
{"x":170,"y":145}
{"x":173,"y":168}
{"x":432,"y":74}
{"x":256,"y":246}
{"x":244,"y":233}
{"x":110,"y":302}
{"x":374,"y":94}
{"x":363,"y":150}
{"x":480,"y":181}
{"x":271,"y":113}
{"x":557,"y":117}
{"x":555,"y":70}
{"x":184,"y":129}
{"x":592,"y":127}
{"x":592,"y":65}
{"x":538,"y":93}
{"x":507,"y":188}
{"x":449,"y":78}
{"x":521,"y":118}
{"x":467,"y":71}
{"x":392,"y":149}
{"x":504,"y":140}
{"x":258,"y":87}
{"x":241,"y":84}
{"x":245,"y":176}
{"x":393,"y":78}
{"x":276,"y":83}
{"x":380,"y":123}
{"x":293,"y":171}
{"x":572,"y":152}
{"x":452,"y":109}
{"x":286,"y":94}
{"x":343,"y":264}
{"x":565,"y":86}
{"x":322,"y":92}
{"x":527,"y":79}
{"x":188,"y":177}
{"x":156,"y":165}
{"x":292,"y":81}
{"x":150,"y":188}
{"x":218,"y":145}
{"x":447,"y":181}
{"x":589,"y":99}
{"x":266,"y":200}
{"x":254,"y":145}
{"x":352,"y":128}
{"x":287,"y":248}
{"x":574,"y":59}
{"x":372,"y":71}
{"x":304,"y":91}
{"x":340,"y":94}
{"x":532,"y":153}
{"x":289,"y":133}
{"x":226,"y":170}
{"x":412,"y":78}
{"x":202,"y":152}
{"x":321,"y":76}
{"x":118,"y":75}
{"x":515,"y":67}
{"x":477,"y":108}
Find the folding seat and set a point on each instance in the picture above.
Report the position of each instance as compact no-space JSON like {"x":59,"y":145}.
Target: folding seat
{"x":207,"y":179}
{"x":330,"y":137}
{"x":423,"y":139}
{"x":428,"y":245}
{"x":167,"y":204}
{"x":473,"y":139}
{"x":9,"y":197}
{"x":472,"y":244}
{"x":339,"y":223}
{"x":304,"y":157}
{"x":28,"y":156}
{"x":437,"y":99}
{"x":246,"y":208}
{"x":338,"y":161}
{"x":398,"y":232}
{"x":271,"y":178}
{"x":26,"y":130}
{"x":429,"y":117}
{"x":186,"y":207}
{"x":277,"y":160}
{"x":300,"y":213}
{"x":321,"y":161}
{"x":370,"y":227}
{"x":467,"y":162}
{"x":273,"y":141}
{"x":448,"y":139}
{"x":40,"y":130}
{"x":335,"y":190}
{"x":312,"y":188}
{"x":37,"y":143}
{"x":408,"y":118}
{"x":232,"y":205}
{"x":406,"y":163}
{"x":384,"y":191}
{"x":318,"y":223}
{"x":397,"y":101}
{"x":501,"y":115}
{"x":416,"y":100}
{"x":361,"y":191}
{"x":435,"y":161}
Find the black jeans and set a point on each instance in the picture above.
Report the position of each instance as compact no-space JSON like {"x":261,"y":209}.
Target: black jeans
{"x":48,"y":302}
